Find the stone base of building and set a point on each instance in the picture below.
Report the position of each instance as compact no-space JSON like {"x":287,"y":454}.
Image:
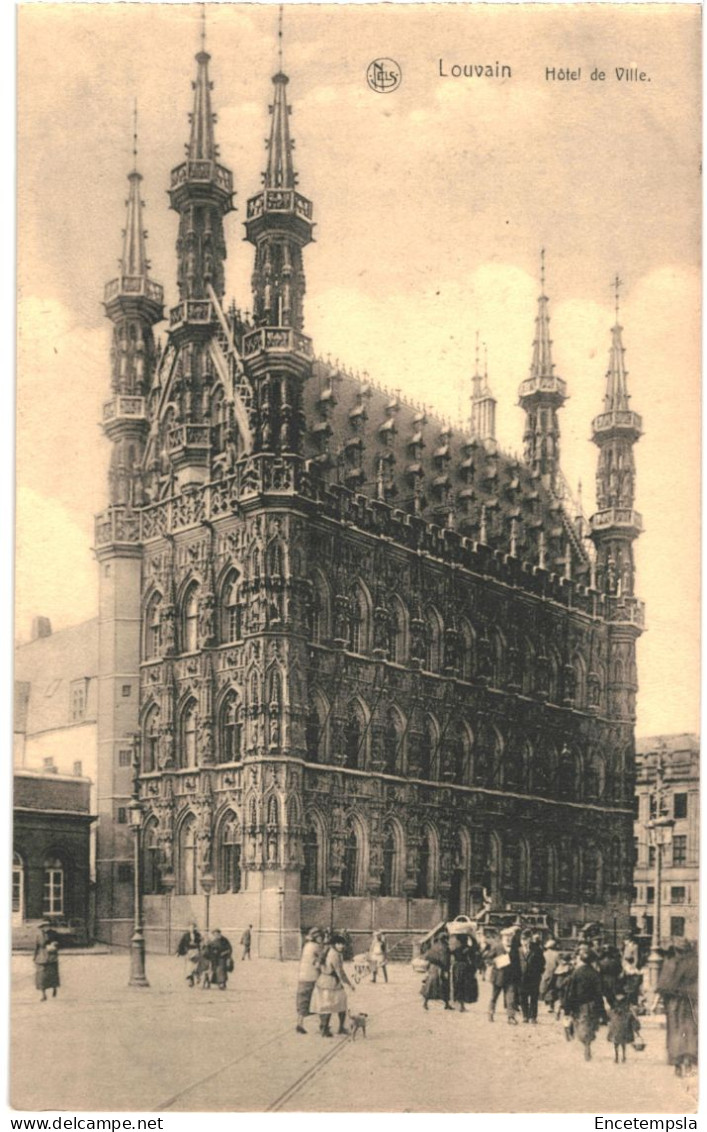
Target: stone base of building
{"x":280,"y":918}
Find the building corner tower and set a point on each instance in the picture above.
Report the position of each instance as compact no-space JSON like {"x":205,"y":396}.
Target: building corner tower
{"x":133,"y":303}
{"x":540,"y":396}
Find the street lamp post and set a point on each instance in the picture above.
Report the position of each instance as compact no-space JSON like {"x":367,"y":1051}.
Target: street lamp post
{"x":661,"y":835}
{"x":207,"y":884}
{"x":138,"y":977}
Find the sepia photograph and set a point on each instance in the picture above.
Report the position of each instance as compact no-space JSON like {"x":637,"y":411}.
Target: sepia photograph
{"x":356,"y":728}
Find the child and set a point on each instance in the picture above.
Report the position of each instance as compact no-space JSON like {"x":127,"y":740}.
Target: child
{"x":623,"y":1026}
{"x":563,"y":970}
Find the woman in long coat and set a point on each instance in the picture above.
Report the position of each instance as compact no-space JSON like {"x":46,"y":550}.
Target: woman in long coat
{"x":219,"y":952}
{"x":583,"y":1001}
{"x":677,"y":986}
{"x":329,"y":996}
{"x":308,"y":975}
{"x":436,"y":982}
{"x":465,"y":959}
{"x":189,"y":947}
{"x":46,"y":960}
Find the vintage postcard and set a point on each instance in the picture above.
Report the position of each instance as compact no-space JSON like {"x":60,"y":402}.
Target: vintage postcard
{"x":356,"y":730}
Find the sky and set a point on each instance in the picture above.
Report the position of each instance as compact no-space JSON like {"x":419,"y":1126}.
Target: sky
{"x":432,"y":204}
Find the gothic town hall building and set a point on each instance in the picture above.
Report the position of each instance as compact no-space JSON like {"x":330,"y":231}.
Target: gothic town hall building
{"x":385,"y":674}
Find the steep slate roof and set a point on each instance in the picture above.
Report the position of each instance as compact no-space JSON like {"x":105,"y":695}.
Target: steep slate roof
{"x":377,"y":444}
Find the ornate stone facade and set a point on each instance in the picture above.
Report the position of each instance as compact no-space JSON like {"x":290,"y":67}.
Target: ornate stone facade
{"x":376,"y":662}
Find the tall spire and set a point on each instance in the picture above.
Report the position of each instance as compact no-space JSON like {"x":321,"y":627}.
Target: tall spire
{"x":616,"y":397}
{"x":134,"y":260}
{"x":279,"y":225}
{"x":279,"y":222}
{"x":201,"y":142}
{"x":542,"y":365}
{"x":616,"y":525}
{"x":483,"y":404}
{"x":541,"y":395}
{"x":133,"y":303}
{"x":201,"y":191}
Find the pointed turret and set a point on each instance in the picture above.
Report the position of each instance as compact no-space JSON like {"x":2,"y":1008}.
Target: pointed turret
{"x":133,"y":303}
{"x":280,"y":173}
{"x":541,"y":395}
{"x":483,"y":403}
{"x":279,"y":225}
{"x":615,"y":431}
{"x":201,"y":191}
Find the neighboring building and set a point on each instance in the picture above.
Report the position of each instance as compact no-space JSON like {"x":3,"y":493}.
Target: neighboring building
{"x":51,"y":855}
{"x":680,"y":755}
{"x":56,"y":700}
{"x":382,"y":665}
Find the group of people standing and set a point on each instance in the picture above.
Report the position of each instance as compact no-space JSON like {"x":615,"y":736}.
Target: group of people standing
{"x":208,"y":961}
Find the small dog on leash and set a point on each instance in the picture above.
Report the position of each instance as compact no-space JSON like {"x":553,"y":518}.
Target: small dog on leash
{"x":357,"y":1022}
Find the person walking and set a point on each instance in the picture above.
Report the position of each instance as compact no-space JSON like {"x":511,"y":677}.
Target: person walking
{"x":610,"y":972}
{"x":219,"y":953}
{"x":435,"y":985}
{"x":329,"y":995}
{"x":582,"y":1000}
{"x":465,"y":958}
{"x":677,"y":986}
{"x":505,"y":975}
{"x":46,"y":960}
{"x":377,"y":956}
{"x":246,"y":941}
{"x":532,"y":965}
{"x":307,"y":976}
{"x":552,"y":957}
{"x":189,"y":947}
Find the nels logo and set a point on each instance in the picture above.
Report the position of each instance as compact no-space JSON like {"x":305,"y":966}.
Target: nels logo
{"x":384,"y":76}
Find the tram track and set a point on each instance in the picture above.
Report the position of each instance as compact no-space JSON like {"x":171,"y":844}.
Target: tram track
{"x":288,"y":1093}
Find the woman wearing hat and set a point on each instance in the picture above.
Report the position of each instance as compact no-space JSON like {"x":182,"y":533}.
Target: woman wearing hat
{"x":46,"y":960}
{"x":329,"y":996}
{"x":308,"y":975}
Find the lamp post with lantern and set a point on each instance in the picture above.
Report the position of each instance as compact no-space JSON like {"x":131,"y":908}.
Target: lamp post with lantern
{"x":138,"y":978}
{"x":660,"y":829}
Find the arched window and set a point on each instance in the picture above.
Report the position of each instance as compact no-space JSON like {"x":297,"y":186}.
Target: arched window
{"x":187,"y":857}
{"x":353,"y":737}
{"x":426,"y":865}
{"x":592,"y":875}
{"x":359,"y":621}
{"x":397,"y":632}
{"x":316,"y":730}
{"x":151,"y":876}
{"x":230,"y":729}
{"x":468,"y":661}
{"x":498,"y":659}
{"x":228,"y":867}
{"x":514,"y":765}
{"x":392,"y":735}
{"x":54,"y":885}
{"x":350,"y":873}
{"x":595,"y":777}
{"x":615,"y":862}
{"x":190,"y":619}
{"x":153,"y":628}
{"x":151,"y":739}
{"x":390,"y":880}
{"x":18,"y":888}
{"x":459,"y":757}
{"x":428,"y":748}
{"x":433,"y":641}
{"x":218,"y":420}
{"x":566,"y":775}
{"x":187,"y":745}
{"x":311,"y":881}
{"x":320,"y":608}
{"x":231,"y":629}
{"x":515,"y":871}
{"x":275,"y":558}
